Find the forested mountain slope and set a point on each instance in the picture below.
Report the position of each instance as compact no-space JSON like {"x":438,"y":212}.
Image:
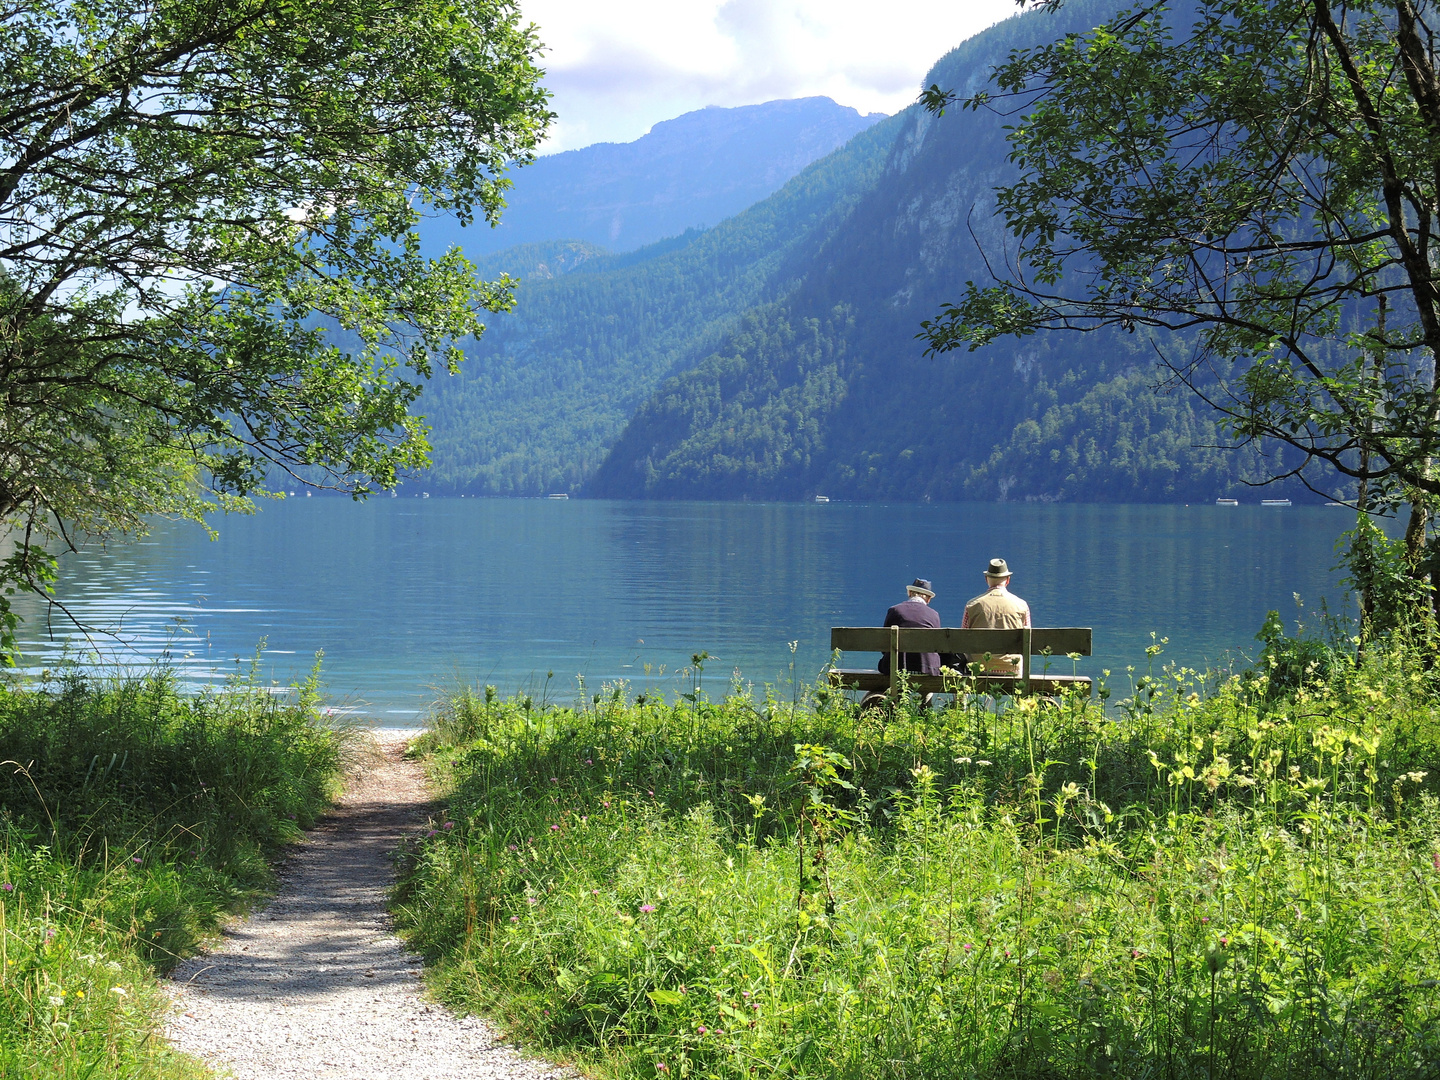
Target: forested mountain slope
{"x":690,"y":172}
{"x":774,"y":356}
{"x":825,"y":389}
{"x":544,"y":394}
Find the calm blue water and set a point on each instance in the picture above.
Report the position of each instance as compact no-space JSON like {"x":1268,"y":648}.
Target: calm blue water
{"x":410,"y":596}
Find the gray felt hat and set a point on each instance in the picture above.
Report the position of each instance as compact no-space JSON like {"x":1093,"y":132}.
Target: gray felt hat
{"x":922,"y":586}
{"x":997,"y":568}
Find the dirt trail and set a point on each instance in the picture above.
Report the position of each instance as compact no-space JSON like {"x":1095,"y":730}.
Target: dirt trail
{"x":316,"y":984}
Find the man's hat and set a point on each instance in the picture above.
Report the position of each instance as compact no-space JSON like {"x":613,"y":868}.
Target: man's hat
{"x":921,"y":586}
{"x":997,"y":569}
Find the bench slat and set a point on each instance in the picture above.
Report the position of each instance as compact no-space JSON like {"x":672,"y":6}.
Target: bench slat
{"x":868,"y":679}
{"x":1057,"y":640}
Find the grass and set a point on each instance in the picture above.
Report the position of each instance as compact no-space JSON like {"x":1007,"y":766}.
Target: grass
{"x":1213,"y":877}
{"x":132,"y":819}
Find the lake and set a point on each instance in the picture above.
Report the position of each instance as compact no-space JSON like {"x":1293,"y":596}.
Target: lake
{"x":410,"y":596}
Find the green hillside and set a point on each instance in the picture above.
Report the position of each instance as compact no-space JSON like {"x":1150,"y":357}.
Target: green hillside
{"x":545,"y":393}
{"x":775,"y":355}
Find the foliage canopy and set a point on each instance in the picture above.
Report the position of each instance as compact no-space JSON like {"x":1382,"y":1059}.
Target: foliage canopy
{"x":208,"y":265}
{"x":1265,"y":180}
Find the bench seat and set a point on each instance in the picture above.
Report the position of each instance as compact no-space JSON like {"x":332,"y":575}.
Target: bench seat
{"x":872,"y":680}
{"x":1052,"y":643}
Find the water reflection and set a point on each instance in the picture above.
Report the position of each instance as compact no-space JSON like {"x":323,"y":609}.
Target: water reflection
{"x":408,"y":596}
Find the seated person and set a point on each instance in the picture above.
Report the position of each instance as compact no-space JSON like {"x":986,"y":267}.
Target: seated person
{"x":915,"y":611}
{"x":997,"y":608}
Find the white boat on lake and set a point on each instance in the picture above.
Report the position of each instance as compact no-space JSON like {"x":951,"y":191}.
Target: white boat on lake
{"x":1227,"y":502}
{"x":559,"y":495}
{"x":1274,"y":502}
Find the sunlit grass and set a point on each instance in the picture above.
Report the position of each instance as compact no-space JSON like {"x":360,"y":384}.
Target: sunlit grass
{"x":131,"y":820}
{"x":1213,"y":877}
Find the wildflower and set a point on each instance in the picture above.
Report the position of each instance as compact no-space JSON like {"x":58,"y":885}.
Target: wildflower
{"x":702,"y":1029}
{"x":744,"y":993}
{"x":1205,"y":918}
{"x":432,"y":832}
{"x":606,"y":804}
{"x":589,"y":762}
{"x":135,"y":858}
{"x":57,"y":1001}
{"x":531,"y":900}
{"x":514,"y":848}
{"x":594,"y":892}
{"x":1224,"y":941}
{"x":449,"y":824}
{"x":660,"y":1066}
{"x":650,"y":793}
{"x":968,"y":946}
{"x":79,"y":993}
{"x":7,"y":887}
{"x":647,"y":908}
{"x":554,"y":828}
{"x":119,"y":991}
{"x":554,"y":779}
{"x":514,"y":918}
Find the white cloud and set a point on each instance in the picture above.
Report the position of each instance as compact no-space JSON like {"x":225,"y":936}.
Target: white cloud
{"x":618,"y":66}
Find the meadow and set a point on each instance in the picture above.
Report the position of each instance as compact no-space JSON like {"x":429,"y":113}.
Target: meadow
{"x":132,"y":820}
{"x":1186,"y":876}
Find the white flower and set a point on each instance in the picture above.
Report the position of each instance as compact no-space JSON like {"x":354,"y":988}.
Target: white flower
{"x":112,"y":966}
{"x":119,"y":991}
{"x":56,"y":1000}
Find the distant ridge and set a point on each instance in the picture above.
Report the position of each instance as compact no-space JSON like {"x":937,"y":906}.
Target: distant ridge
{"x":774,"y":355}
{"x":690,"y":172}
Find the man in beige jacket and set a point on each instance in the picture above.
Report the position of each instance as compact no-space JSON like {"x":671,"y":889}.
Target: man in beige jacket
{"x":999,"y":609}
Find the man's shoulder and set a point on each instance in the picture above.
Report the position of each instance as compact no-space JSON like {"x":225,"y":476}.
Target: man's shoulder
{"x":909,"y":610}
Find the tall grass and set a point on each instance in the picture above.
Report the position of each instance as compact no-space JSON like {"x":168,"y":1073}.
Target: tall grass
{"x":131,"y":819}
{"x":1212,"y":878}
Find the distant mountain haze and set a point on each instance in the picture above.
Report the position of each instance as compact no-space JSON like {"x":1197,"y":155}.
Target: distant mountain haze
{"x":688,"y":173}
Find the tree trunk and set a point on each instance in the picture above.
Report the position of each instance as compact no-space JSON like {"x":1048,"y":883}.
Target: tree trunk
{"x":1417,"y":559}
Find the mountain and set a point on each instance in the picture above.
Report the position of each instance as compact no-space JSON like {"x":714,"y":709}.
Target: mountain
{"x":687,"y":173}
{"x":547,"y":390}
{"x":774,"y":356}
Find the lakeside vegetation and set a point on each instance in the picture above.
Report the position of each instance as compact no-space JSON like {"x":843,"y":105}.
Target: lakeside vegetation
{"x":1212,"y":876}
{"x":132,"y":820}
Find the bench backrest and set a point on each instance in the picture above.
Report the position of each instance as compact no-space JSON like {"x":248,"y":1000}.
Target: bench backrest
{"x":1056,"y":641}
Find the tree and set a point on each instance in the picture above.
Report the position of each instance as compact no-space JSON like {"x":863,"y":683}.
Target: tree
{"x":1257,"y":183}
{"x":209,"y":271}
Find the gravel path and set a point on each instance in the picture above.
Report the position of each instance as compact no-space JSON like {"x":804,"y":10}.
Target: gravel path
{"x":317,"y":984}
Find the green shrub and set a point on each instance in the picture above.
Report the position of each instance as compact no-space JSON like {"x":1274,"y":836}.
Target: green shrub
{"x":131,"y":819}
{"x":1209,"y":880}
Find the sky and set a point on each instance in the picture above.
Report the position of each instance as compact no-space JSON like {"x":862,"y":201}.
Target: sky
{"x":616,"y":67}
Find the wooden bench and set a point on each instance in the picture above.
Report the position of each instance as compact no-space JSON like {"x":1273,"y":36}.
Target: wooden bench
{"x":1056,"y":642}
